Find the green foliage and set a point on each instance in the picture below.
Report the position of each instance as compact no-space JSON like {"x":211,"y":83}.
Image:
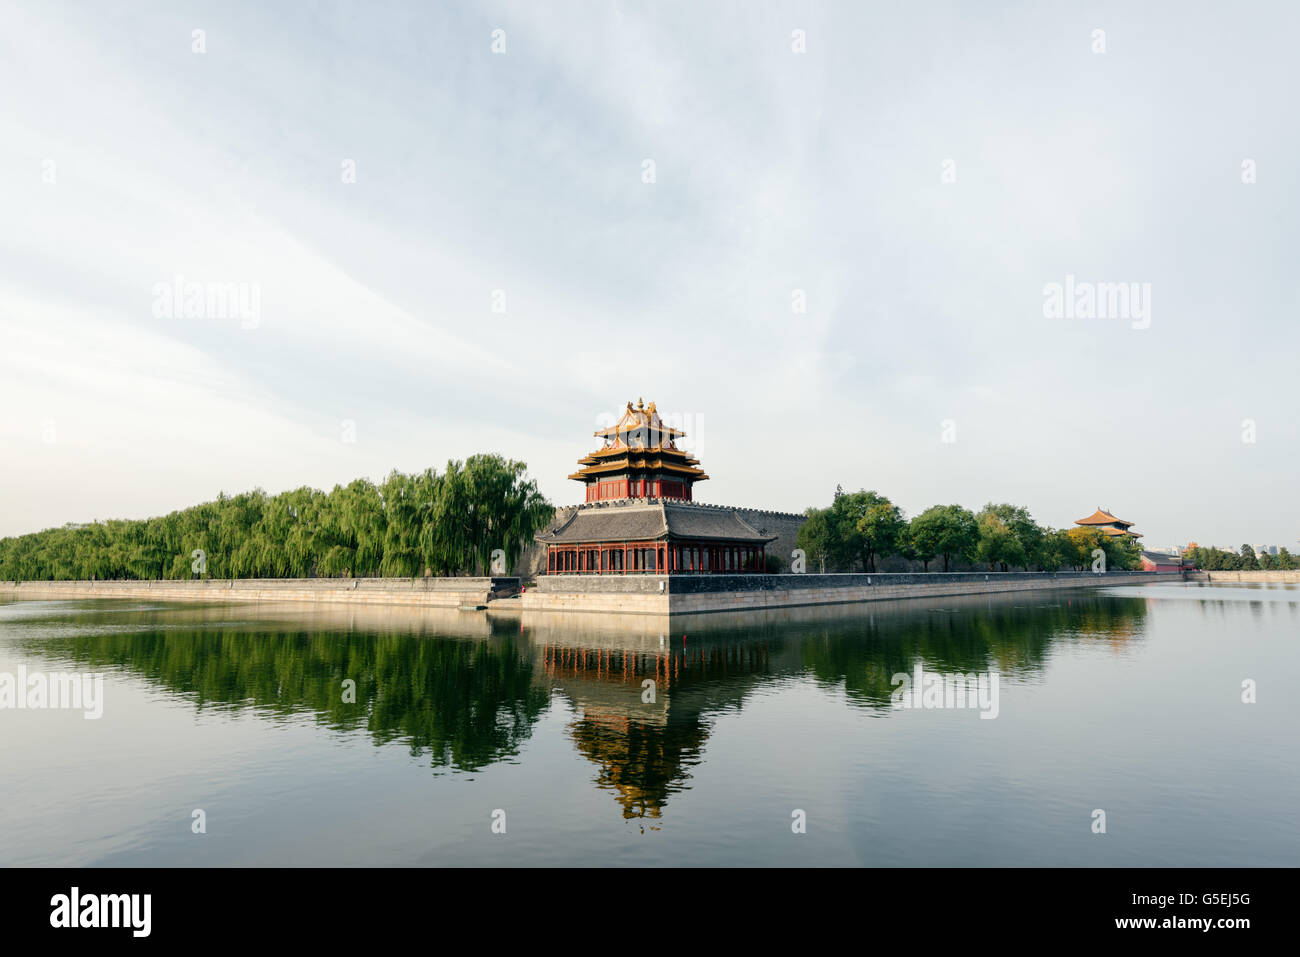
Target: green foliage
{"x":1009,"y":536}
{"x":1122,"y":554}
{"x":448,"y":523}
{"x":947,"y":531}
{"x":814,"y":537}
{"x":856,"y":529}
{"x":880,"y":525}
{"x":1216,"y":559}
{"x":860,"y":527}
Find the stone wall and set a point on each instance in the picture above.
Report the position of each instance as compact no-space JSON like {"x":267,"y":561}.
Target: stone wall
{"x":1279,"y":577}
{"x":690,"y":594}
{"x":432,"y":592}
{"x":784,"y":525}
{"x":533,"y":560}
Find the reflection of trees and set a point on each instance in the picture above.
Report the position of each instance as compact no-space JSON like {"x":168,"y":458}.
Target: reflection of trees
{"x":1014,"y":640}
{"x":465,"y":704}
{"x":469,"y":702}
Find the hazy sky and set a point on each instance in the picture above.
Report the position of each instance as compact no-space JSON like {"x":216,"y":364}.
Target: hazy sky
{"x":128,"y":159}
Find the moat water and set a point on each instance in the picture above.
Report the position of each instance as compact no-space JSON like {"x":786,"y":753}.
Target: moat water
{"x":230,"y":735}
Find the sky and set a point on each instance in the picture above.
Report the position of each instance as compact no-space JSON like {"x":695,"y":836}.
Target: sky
{"x":822,"y":238}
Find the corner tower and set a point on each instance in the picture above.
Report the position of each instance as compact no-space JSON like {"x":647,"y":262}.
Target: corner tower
{"x":639,"y":458}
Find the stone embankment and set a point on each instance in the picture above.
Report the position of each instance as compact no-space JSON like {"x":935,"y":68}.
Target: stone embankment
{"x":1277,"y":577}
{"x":431,"y":592}
{"x":690,"y":594}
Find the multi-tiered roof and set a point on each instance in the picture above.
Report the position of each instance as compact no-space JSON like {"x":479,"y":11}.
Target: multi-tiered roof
{"x":639,"y":458}
{"x":639,"y":516}
{"x":1108,"y":524}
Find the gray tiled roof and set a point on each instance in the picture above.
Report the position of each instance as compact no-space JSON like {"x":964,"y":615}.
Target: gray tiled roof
{"x":642,"y":523}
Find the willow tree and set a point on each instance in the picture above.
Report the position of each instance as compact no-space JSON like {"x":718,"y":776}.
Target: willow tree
{"x":450,"y":523}
{"x":481,"y":505}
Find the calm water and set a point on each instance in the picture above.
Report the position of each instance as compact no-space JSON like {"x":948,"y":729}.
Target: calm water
{"x":1124,"y":699}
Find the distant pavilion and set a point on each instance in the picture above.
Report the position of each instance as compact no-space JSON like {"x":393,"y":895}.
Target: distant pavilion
{"x":639,"y":515}
{"x":1108,"y":524}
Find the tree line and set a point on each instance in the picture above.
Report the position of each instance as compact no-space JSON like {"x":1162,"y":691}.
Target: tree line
{"x":860,"y":528}
{"x":448,"y":523}
{"x":1217,"y":559}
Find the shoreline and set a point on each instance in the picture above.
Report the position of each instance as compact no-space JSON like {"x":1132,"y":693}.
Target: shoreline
{"x":655,"y":595}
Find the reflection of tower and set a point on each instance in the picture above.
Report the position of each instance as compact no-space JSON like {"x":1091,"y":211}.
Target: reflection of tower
{"x":646,"y":748}
{"x":642,"y":763}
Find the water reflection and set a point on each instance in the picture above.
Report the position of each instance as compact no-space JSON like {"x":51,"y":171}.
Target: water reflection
{"x":465,"y":691}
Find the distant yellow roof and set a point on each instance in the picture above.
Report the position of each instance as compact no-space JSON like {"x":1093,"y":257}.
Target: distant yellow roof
{"x":1100,"y":517}
{"x":1117,"y":532}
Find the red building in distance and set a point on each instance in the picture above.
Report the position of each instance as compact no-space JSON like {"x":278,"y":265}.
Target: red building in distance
{"x":640,"y":515}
